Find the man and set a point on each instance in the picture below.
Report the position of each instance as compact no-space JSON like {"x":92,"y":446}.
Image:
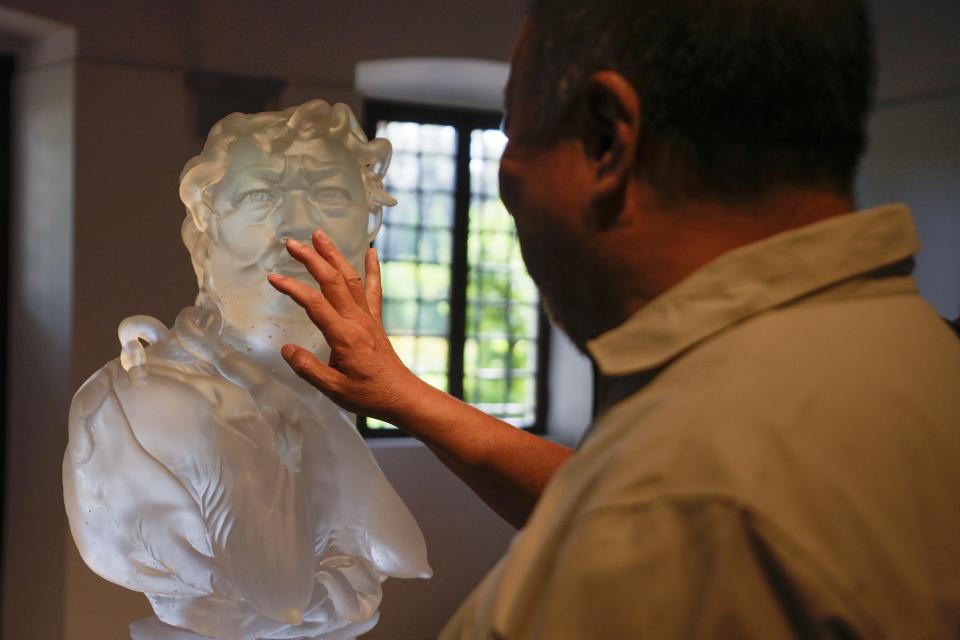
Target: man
{"x":778,"y":452}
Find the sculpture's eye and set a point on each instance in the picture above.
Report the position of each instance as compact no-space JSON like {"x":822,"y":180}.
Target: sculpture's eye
{"x":257,"y":197}
{"x":330,"y":195}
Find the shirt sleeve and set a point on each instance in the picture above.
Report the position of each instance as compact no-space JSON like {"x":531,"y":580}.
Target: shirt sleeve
{"x":672,"y":569}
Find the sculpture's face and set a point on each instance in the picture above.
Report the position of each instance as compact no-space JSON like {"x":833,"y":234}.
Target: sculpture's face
{"x":264,"y":199}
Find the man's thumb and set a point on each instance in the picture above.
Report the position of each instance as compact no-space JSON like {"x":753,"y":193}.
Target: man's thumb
{"x":308,"y":366}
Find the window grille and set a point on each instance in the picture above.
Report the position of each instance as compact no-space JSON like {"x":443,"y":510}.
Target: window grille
{"x":459,"y":307}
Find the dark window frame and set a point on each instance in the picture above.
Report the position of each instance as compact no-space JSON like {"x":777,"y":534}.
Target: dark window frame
{"x":464,"y":121}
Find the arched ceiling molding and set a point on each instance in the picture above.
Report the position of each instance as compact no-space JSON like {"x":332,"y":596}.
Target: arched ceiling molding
{"x":451,"y":82}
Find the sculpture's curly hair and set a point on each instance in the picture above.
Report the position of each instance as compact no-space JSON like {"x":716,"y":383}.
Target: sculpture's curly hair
{"x":274,"y":132}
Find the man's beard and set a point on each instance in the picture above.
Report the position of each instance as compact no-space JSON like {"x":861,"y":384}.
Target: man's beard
{"x":581,"y":294}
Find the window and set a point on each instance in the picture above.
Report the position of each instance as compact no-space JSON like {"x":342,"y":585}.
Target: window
{"x":458,"y":305}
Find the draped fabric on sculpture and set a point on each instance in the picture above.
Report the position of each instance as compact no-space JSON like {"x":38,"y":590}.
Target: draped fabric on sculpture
{"x":200,"y":470}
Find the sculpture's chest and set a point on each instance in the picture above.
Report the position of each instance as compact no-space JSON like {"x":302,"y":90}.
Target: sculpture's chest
{"x":185,"y":413}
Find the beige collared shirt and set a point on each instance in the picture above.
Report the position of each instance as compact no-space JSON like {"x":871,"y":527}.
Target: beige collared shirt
{"x":785,"y":461}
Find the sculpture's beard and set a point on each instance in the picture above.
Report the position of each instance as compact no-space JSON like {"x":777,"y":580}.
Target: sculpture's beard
{"x":582,"y":296}
{"x":257,"y":318}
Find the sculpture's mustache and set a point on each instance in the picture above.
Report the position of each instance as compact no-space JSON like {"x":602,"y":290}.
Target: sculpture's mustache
{"x":280,"y":261}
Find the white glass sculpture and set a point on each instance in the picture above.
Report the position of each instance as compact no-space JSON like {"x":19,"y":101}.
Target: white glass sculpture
{"x":200,"y":470}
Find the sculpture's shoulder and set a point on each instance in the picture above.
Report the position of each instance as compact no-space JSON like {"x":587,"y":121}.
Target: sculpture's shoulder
{"x":114,"y":377}
{"x":153,"y":357}
{"x":170,"y":454}
{"x":109,"y":474}
{"x":154,"y":385}
{"x":147,"y":364}
{"x":157,"y":382}
{"x":177,"y":405}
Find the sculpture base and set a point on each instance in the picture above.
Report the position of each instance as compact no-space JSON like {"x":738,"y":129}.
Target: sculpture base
{"x":153,"y":629}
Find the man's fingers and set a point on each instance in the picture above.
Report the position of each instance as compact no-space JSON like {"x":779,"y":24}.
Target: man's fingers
{"x":314,"y":302}
{"x":308,"y":366}
{"x":331,"y":281}
{"x":373,"y":288}
{"x":329,"y":251}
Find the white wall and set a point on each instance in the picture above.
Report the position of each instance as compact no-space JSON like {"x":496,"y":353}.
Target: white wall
{"x":915,"y":158}
{"x":39,"y":351}
{"x":914,"y":152}
{"x":464,"y":538}
{"x":571,"y":391}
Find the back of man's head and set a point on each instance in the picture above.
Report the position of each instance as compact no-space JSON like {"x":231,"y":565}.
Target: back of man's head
{"x":739,"y":98}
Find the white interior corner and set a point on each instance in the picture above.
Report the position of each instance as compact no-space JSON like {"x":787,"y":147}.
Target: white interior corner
{"x":37,"y":42}
{"x":41,"y":288}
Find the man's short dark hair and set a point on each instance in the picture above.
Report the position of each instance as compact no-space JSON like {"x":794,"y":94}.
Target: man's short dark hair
{"x":746,"y":95}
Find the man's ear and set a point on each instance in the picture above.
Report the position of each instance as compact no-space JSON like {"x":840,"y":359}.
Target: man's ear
{"x":610,"y":131}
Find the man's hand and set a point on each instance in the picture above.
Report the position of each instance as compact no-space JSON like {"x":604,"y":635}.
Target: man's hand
{"x":507,"y":467}
{"x":364,"y":374}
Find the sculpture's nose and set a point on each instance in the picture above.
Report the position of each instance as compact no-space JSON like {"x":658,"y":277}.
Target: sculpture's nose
{"x":297,"y":217}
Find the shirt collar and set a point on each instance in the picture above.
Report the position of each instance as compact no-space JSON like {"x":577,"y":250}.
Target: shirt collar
{"x":752,"y":279}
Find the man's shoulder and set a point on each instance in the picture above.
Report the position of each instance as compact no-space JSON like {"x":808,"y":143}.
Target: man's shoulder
{"x":838,"y":383}
{"x":834,"y":356}
{"x":854,"y":323}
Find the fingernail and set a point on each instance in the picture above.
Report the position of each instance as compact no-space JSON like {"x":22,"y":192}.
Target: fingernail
{"x":320,"y":235}
{"x":287,"y":350}
{"x":274,"y":277}
{"x":294,"y":243}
